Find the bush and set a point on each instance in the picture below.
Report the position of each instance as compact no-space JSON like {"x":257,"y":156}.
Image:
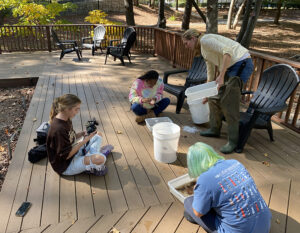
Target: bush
{"x":172,"y":18}
{"x":99,"y":17}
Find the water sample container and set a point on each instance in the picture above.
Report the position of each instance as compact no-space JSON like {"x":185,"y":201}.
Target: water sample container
{"x":201,"y":91}
{"x":165,"y":137}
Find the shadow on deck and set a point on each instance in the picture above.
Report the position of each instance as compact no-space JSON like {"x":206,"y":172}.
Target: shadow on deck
{"x":133,"y":196}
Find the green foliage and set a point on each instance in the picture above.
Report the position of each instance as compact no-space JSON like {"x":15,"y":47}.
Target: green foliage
{"x":30,"y":13}
{"x":172,"y":18}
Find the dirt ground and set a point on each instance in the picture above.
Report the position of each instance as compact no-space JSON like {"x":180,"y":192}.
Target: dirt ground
{"x":281,"y":40}
{"x":14,"y":103}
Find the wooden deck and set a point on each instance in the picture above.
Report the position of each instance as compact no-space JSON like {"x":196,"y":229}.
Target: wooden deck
{"x":133,"y":196}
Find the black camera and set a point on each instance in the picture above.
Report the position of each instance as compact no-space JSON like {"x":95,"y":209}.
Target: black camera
{"x":91,"y":126}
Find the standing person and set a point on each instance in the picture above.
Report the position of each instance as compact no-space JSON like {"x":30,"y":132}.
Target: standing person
{"x":67,"y":153}
{"x":225,"y":198}
{"x":146,"y":96}
{"x":234,"y":66}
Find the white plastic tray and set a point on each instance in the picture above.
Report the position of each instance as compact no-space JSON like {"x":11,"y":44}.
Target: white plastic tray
{"x":150,"y":122}
{"x":177,"y":182}
{"x":201,"y":91}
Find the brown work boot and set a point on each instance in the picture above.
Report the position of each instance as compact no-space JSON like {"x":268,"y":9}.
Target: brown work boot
{"x":140,"y":119}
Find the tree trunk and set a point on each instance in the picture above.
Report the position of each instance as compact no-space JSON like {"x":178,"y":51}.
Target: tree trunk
{"x":230,"y":13}
{"x":245,"y":21}
{"x":199,"y":11}
{"x":136,"y":2}
{"x":187,"y":15}
{"x":152,"y":4}
{"x":177,"y":5}
{"x":212,"y":16}
{"x":2,"y":16}
{"x":251,"y":24}
{"x":161,"y":14}
{"x":278,"y":11}
{"x":129,"y":12}
{"x":238,"y":14}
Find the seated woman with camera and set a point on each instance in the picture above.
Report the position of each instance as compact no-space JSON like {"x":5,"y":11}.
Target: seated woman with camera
{"x":71,"y":153}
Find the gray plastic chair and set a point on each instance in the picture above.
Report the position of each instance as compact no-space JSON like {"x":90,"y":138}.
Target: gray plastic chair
{"x":95,"y":42}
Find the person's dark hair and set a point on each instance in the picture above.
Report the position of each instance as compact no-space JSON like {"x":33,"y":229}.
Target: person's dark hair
{"x":150,"y":75}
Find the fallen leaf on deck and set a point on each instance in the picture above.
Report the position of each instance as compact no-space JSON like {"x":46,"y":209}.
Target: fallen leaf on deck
{"x":1,"y":148}
{"x":277,"y":221}
{"x":266,"y":163}
{"x":34,"y":119}
{"x":185,"y":136}
{"x":114,"y":230}
{"x":266,"y":154}
{"x":119,"y":132}
{"x":73,"y":221}
{"x":93,"y":192}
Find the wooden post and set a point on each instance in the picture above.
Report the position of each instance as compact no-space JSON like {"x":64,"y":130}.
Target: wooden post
{"x":174,"y":50}
{"x":290,"y":106}
{"x":296,"y":113}
{"x":48,"y":38}
{"x":154,"y":47}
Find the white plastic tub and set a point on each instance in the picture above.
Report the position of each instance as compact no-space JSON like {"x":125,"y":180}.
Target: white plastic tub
{"x":178,"y":182}
{"x":165,"y":137}
{"x":199,"y":111}
{"x":150,"y":122}
{"x":201,"y":91}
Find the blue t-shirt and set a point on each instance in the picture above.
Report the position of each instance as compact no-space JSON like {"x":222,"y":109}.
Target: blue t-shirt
{"x":228,"y":188}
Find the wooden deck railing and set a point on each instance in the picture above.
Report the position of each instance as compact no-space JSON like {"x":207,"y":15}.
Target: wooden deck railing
{"x":38,"y":38}
{"x":169,"y":45}
{"x":150,"y":40}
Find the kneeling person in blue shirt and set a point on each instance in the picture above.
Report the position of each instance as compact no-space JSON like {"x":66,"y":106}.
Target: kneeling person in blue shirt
{"x":225,"y":196}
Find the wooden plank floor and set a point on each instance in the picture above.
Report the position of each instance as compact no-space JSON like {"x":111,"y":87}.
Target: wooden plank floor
{"x":133,"y":196}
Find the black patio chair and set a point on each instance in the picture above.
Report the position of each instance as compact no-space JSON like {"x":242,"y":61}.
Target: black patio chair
{"x":122,"y":49}
{"x":196,"y":75}
{"x":275,"y":87}
{"x":124,"y":39}
{"x":66,"y":46}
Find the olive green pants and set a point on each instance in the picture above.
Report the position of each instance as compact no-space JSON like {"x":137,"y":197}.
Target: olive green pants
{"x":227,"y":104}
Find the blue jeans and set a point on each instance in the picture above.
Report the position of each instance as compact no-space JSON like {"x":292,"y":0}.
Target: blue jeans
{"x":139,"y":110}
{"x":77,"y":165}
{"x":246,"y":72}
{"x":207,"y":221}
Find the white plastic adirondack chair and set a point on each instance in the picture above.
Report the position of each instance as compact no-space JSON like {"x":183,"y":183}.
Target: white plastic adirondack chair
{"x":99,"y":33}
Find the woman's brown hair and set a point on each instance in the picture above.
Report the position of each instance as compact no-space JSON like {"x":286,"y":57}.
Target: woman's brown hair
{"x":62,"y":103}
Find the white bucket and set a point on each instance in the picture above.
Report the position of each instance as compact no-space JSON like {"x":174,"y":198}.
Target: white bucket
{"x":199,"y":111}
{"x":165,"y":137}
